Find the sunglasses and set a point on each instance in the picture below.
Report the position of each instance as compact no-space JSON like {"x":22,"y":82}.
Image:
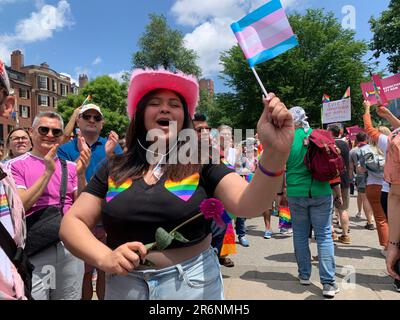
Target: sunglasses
{"x":96,"y":118}
{"x":55,"y":131}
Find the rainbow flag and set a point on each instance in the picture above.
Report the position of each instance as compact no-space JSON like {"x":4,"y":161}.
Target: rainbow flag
{"x":346,"y":94}
{"x":87,"y":100}
{"x":326,"y":98}
{"x":285,"y":219}
{"x":229,"y":243}
{"x":370,"y":93}
{"x":264,"y":33}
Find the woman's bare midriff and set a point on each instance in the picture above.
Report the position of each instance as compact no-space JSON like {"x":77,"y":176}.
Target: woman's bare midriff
{"x":169,"y":257}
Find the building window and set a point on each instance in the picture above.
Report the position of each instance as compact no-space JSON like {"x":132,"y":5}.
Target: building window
{"x":24,"y":93}
{"x":63,"y":90}
{"x":42,"y":83}
{"x":24,"y":112}
{"x":43,"y":100}
{"x":54,"y":85}
{"x":10,"y":128}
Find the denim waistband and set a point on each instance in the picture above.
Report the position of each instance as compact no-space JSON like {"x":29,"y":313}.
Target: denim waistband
{"x":180,"y":266}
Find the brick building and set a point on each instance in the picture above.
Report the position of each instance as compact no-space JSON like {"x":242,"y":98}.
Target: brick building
{"x":207,"y":84}
{"x":36,"y":88}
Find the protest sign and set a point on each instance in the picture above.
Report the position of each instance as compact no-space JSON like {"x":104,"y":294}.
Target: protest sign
{"x":336,"y":111}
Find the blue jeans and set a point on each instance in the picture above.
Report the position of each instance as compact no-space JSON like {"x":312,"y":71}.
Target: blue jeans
{"x":240,"y":227}
{"x":317,"y":212}
{"x":218,"y":234}
{"x":198,"y":278}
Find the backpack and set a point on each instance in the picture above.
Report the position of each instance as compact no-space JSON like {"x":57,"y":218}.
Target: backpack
{"x":372,"y":161}
{"x":322,"y":157}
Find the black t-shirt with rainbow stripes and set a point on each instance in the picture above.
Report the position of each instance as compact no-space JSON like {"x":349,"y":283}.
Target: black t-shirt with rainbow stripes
{"x":134,"y":210}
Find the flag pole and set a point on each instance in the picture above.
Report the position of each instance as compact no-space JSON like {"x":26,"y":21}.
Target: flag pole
{"x":87,"y":98}
{"x":260,"y":83}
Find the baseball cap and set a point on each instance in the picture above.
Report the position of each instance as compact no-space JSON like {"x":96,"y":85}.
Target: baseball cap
{"x":90,"y":106}
{"x":4,"y":77}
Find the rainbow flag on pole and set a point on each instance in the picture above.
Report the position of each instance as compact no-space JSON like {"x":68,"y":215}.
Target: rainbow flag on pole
{"x":264,"y":33}
{"x":346,"y":94}
{"x":326,"y":98}
{"x":87,"y":100}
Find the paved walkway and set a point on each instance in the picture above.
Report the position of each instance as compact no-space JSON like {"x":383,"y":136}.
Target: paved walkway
{"x":268,"y":270}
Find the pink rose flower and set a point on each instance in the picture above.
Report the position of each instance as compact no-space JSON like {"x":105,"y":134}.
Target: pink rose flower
{"x":212,"y":208}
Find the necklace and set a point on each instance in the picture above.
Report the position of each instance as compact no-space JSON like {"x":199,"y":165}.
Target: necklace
{"x":158,"y":171}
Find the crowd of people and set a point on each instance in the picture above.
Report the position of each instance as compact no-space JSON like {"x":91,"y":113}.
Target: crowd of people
{"x":109,"y":203}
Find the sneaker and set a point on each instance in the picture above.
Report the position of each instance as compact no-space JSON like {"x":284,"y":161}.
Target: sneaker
{"x":344,"y":239}
{"x":369,"y":226}
{"x":285,"y":231}
{"x":304,"y":282}
{"x":243,"y":241}
{"x":329,"y":290}
{"x":358,"y":215}
{"x":268,"y":234}
{"x":396,"y":285}
{"x":335,"y":236}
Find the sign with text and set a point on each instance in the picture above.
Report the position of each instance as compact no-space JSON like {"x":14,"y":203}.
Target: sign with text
{"x":391,"y":88}
{"x":336,"y":111}
{"x":353,"y":132}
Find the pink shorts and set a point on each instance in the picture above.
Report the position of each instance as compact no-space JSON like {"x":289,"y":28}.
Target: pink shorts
{"x":101,"y":235}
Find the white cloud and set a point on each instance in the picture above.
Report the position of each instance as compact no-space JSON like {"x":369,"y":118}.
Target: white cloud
{"x":118,"y":75}
{"x":97,"y":61}
{"x":203,"y":41}
{"x":40,"y":26}
{"x":211,"y":20}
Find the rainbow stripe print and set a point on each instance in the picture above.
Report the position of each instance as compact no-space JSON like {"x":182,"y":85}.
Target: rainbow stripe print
{"x":4,"y":209}
{"x":114,"y":190}
{"x":285,"y":219}
{"x":228,"y":164}
{"x":229,"y":243}
{"x":185,"y":188}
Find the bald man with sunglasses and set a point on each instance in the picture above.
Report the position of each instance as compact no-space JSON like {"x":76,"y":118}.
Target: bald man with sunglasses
{"x":38,"y":176}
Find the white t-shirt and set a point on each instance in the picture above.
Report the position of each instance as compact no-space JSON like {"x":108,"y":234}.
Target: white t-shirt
{"x":382,"y":144}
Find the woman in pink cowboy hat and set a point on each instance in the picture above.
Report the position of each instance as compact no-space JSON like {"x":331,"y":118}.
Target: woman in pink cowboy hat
{"x":135,"y":196}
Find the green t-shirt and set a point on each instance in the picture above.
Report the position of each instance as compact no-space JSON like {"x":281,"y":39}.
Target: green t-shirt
{"x":299,"y":182}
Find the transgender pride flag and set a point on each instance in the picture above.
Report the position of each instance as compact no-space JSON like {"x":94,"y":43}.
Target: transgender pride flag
{"x":264,"y":33}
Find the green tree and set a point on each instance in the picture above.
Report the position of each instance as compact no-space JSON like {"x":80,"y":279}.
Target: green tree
{"x":109,"y":95}
{"x":386,"y":38}
{"x":161,"y":46}
{"x":206,"y":102}
{"x":327,"y":60}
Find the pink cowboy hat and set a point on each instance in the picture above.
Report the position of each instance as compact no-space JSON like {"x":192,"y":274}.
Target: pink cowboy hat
{"x":144,"y":81}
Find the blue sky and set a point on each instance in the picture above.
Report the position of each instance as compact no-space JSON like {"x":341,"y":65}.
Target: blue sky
{"x":98,"y":37}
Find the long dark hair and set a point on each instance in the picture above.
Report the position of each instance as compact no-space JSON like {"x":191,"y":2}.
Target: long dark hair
{"x":133,"y":164}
